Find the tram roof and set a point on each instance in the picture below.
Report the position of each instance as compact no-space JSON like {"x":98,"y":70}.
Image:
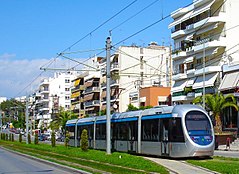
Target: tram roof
{"x":129,"y":114}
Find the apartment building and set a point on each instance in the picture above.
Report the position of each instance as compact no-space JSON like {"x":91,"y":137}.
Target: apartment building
{"x":55,"y":93}
{"x":132,"y":68}
{"x":204,"y":35}
{"x":230,"y":85}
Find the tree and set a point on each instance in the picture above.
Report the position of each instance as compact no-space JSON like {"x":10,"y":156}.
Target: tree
{"x":60,"y":120}
{"x":53,"y":139}
{"x":84,"y":140}
{"x":132,"y":108}
{"x":36,"y":138}
{"x":216,"y":103}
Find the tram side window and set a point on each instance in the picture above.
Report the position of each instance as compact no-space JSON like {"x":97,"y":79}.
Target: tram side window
{"x":100,"y":131}
{"x":89,"y":129}
{"x":176,"y":133}
{"x":150,"y":130}
{"x":71,"y":131}
{"x":122,"y":131}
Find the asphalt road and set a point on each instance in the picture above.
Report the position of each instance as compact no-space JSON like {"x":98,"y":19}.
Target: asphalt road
{"x":232,"y":154}
{"x":16,"y":164}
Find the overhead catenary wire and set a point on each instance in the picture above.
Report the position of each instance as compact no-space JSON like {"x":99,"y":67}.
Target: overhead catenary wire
{"x":131,"y":17}
{"x":90,"y":33}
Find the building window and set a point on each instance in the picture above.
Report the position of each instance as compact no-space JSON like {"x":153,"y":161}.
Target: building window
{"x":67,"y":97}
{"x":67,"y":89}
{"x":67,"y":106}
{"x":67,"y":80}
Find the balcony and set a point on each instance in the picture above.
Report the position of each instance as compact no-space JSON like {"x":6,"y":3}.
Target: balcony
{"x":80,"y":88}
{"x":112,"y":83}
{"x":208,"y":70}
{"x":114,"y":66}
{"x":92,"y":89}
{"x":179,"y":76}
{"x":209,"y":42}
{"x":178,"y":53}
{"x":92,"y":103}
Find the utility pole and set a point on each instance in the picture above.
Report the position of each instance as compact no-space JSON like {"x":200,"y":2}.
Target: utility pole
{"x":27,"y":121}
{"x":108,"y":117}
{"x":204,"y":91}
{"x":1,"y":119}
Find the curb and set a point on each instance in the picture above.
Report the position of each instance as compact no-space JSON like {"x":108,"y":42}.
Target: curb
{"x":59,"y":166}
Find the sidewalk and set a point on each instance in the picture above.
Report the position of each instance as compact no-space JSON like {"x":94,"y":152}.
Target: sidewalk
{"x":234,"y":146}
{"x":179,"y":167}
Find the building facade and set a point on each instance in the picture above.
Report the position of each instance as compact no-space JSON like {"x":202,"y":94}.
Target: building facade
{"x":204,"y":35}
{"x":133,"y":68}
{"x":55,"y":94}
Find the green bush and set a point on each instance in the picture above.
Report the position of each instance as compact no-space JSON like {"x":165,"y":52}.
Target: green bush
{"x":36,"y":138}
{"x":53,"y":139}
{"x":84,"y":140}
{"x":67,"y":139}
{"x":20,"y":137}
{"x":29,"y":138}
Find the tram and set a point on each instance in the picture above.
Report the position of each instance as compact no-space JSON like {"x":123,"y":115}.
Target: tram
{"x":171,"y":131}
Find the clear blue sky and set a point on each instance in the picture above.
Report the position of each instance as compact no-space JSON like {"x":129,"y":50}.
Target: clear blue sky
{"x":38,"y":29}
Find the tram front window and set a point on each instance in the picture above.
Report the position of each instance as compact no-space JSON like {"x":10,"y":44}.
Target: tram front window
{"x":198,"y":127}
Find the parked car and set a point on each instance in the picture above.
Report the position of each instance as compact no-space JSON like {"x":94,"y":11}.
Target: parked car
{"x":61,"y":138}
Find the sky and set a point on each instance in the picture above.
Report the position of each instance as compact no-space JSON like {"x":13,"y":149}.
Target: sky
{"x":33,"y":32}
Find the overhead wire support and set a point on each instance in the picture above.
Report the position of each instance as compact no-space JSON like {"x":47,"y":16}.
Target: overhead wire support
{"x":62,"y":55}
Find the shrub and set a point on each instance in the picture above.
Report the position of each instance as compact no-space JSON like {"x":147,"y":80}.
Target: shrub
{"x":53,"y":139}
{"x":67,"y":139}
{"x":36,"y":138}
{"x":20,"y":137}
{"x":84,"y":140}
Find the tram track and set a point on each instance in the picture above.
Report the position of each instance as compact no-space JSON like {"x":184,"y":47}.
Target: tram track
{"x":180,"y":166}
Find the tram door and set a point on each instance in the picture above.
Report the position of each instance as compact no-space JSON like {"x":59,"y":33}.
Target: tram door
{"x":165,"y":137}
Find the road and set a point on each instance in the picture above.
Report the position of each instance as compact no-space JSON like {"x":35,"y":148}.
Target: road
{"x":232,"y":154}
{"x":16,"y":164}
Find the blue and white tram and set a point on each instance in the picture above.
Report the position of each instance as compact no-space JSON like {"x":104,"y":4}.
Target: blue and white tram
{"x":172,"y":131}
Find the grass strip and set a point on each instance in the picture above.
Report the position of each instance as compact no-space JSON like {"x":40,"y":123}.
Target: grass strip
{"x":219,"y":164}
{"x":93,"y":158}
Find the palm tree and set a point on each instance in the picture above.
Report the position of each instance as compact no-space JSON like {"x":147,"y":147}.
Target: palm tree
{"x":216,"y":103}
{"x":60,"y":120}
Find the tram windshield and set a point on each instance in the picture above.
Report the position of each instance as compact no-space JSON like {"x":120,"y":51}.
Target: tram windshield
{"x":197,"y":123}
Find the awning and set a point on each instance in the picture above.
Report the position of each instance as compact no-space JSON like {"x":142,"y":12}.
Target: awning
{"x":190,"y":82}
{"x":103,"y":94}
{"x":179,"y":86}
{"x":192,"y":14}
{"x":76,"y":94}
{"x":77,"y":82}
{"x":202,"y":9}
{"x":180,"y":20}
{"x":103,"y":107}
{"x":209,"y":81}
{"x":229,"y":81}
{"x":88,"y":83}
{"x":112,"y":92}
{"x":88,"y":97}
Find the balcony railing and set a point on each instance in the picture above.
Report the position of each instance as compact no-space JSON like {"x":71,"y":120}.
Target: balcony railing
{"x":92,"y":89}
{"x":92,"y":103}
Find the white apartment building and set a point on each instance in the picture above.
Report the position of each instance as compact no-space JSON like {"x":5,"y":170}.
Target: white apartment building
{"x":133,"y":67}
{"x":205,"y":35}
{"x":55,"y":93}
